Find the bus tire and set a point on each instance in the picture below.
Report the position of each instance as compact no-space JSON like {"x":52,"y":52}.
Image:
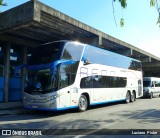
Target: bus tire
{"x":133,"y":97}
{"x":83,"y":103}
{"x":128,"y":97}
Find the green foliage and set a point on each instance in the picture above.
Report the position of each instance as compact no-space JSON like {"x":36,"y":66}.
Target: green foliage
{"x":1,"y":2}
{"x":152,"y":3}
{"x":123,"y":3}
{"x":158,"y":21}
{"x":156,"y":4}
{"x":122,"y":22}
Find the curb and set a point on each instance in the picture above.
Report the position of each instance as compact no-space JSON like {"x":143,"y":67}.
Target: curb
{"x":12,"y":108}
{"x":11,"y":105}
{"x":11,"y":112}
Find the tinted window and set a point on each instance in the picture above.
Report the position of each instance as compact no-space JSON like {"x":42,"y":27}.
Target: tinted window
{"x":1,"y":58}
{"x":146,"y":83}
{"x":72,"y":51}
{"x":1,"y":70}
{"x":1,"y":62}
{"x":68,"y":74}
{"x":39,"y":81}
{"x":46,"y":54}
{"x":100,"y":56}
{"x":103,"y":82}
{"x":15,"y":60}
{"x":157,"y":84}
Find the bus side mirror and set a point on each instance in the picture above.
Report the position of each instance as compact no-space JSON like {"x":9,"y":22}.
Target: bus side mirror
{"x":86,"y":62}
{"x":58,"y":62}
{"x":16,"y":74}
{"x":152,"y":85}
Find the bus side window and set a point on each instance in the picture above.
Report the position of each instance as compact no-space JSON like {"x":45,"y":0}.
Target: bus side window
{"x":157,"y":83}
{"x":1,"y":71}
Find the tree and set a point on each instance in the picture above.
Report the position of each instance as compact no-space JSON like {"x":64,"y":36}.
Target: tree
{"x":123,"y":3}
{"x":2,"y":4}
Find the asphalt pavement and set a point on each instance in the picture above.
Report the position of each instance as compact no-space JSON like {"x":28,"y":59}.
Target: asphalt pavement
{"x":12,"y":108}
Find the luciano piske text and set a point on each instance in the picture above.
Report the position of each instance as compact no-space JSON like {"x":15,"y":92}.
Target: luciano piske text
{"x":144,"y":132}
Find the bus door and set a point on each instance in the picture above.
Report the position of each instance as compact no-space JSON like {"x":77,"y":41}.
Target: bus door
{"x":68,"y":96}
{"x":65,"y":91}
{"x":65,"y":97}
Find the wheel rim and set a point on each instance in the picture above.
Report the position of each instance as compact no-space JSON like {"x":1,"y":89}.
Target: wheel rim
{"x":82,"y":103}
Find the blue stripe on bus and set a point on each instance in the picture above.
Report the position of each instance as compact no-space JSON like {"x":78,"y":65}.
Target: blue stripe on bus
{"x":71,"y":107}
{"x":112,"y":101}
{"x":50,"y":109}
{"x":64,"y":108}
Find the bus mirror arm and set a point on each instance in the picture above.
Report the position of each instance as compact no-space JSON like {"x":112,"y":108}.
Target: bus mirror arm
{"x":58,"y":62}
{"x":86,"y":62}
{"x":152,"y":85}
{"x":18,"y":68}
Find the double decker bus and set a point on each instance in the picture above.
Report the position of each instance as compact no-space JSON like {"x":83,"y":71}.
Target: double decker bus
{"x":68,"y":74}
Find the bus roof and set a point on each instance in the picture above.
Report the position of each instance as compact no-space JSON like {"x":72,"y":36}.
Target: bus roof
{"x":150,"y":78}
{"x":66,"y":41}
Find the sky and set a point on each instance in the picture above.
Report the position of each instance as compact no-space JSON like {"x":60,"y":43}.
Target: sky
{"x":140,"y":29}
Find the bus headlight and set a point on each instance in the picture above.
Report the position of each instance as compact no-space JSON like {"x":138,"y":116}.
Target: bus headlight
{"x":52,"y":105}
{"x":56,"y":96}
{"x":146,"y":91}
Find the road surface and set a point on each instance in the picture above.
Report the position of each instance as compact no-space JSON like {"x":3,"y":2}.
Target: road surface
{"x":141,"y":114}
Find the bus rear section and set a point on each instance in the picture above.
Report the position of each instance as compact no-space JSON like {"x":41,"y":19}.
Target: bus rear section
{"x":109,"y":77}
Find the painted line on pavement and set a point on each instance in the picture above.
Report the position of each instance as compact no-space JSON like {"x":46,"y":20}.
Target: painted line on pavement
{"x":139,"y":115}
{"x":147,"y":113}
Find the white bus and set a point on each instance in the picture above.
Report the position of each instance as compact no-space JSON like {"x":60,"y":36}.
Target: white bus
{"x":67,"y":74}
{"x":151,"y":87}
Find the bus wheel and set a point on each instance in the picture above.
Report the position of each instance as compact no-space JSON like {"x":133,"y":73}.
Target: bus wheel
{"x":151,"y":95}
{"x":82,"y":104}
{"x":128,"y":97}
{"x":133,"y":97}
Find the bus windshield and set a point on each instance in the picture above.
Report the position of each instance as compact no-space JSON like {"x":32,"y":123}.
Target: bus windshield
{"x":46,"y":54}
{"x":40,"y":81}
{"x":147,"y":83}
{"x":52,"y":67}
{"x":39,"y":77}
